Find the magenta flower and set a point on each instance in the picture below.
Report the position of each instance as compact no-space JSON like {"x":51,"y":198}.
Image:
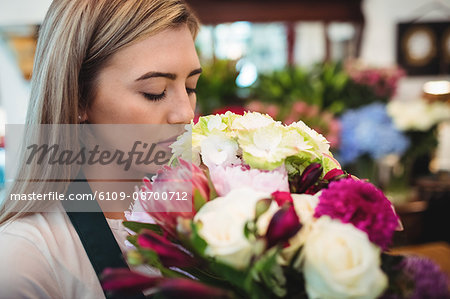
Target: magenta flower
{"x":175,"y":183}
{"x":169,"y":254}
{"x":127,"y":282}
{"x":282,"y":197}
{"x":361,"y":204}
{"x":283,"y":226}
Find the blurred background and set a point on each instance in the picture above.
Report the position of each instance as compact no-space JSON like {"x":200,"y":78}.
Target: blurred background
{"x":371,"y":75}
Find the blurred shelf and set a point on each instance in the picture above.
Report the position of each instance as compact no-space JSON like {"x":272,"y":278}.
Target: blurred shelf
{"x":438,"y":252}
{"x":426,"y":218}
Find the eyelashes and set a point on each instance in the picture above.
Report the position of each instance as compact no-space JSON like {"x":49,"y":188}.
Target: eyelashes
{"x":161,"y":96}
{"x":191,"y":90}
{"x":154,"y":97}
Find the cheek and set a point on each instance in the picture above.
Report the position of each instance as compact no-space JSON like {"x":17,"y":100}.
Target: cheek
{"x":193,"y":101}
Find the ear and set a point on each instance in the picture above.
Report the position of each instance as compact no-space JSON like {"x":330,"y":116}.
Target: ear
{"x":82,"y":117}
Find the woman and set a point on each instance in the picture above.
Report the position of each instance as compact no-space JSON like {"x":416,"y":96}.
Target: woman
{"x":97,"y":62}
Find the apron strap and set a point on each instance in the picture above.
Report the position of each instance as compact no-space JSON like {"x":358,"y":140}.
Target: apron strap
{"x":94,"y":232}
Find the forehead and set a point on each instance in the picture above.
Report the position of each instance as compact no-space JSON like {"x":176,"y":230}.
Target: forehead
{"x":171,"y":50}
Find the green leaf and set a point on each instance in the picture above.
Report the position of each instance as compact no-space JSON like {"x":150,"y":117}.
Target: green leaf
{"x":268,"y":272}
{"x":196,"y":241}
{"x":152,"y":259}
{"x":262,"y":206}
{"x":249,"y":229}
{"x":210,"y":278}
{"x":235,"y":277}
{"x":133,"y":240}
{"x":199,"y":200}
{"x":138,"y":226}
{"x":212,"y":189}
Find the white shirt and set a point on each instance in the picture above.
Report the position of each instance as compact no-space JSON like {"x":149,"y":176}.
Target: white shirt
{"x":41,"y":256}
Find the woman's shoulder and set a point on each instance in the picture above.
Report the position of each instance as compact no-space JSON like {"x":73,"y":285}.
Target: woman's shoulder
{"x":46,"y":257}
{"x":39,"y":229}
{"x":26,"y":271}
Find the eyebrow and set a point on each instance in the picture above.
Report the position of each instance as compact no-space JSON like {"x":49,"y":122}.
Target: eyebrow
{"x":170,"y":76}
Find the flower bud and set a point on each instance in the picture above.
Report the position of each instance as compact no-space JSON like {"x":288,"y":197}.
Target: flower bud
{"x":301,"y":183}
{"x":185,"y":288}
{"x":283,"y":226}
{"x":126,"y":282}
{"x":169,"y":254}
{"x":335,"y":174}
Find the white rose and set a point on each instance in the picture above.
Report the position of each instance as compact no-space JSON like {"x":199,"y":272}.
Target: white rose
{"x":222,"y":223}
{"x":339,"y":261}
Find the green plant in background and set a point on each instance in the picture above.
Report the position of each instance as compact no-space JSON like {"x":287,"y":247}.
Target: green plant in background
{"x":330,"y":86}
{"x":324,"y":86}
{"x":331,"y":83}
{"x":284,"y":87}
{"x":217,"y":87}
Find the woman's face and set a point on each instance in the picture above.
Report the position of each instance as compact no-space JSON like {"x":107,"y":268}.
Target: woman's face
{"x":150,"y":82}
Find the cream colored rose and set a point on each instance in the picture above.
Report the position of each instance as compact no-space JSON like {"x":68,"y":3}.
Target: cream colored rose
{"x":339,"y":261}
{"x":222,"y":223}
{"x":304,"y":205}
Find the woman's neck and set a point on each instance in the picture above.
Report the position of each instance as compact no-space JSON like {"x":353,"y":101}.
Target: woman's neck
{"x":114,"y":215}
{"x":114,"y":190}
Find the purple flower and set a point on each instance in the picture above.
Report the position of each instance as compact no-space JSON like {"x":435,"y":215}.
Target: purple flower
{"x":420,"y":278}
{"x":361,"y":204}
{"x":429,"y":281}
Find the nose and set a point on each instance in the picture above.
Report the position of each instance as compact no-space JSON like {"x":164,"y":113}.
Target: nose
{"x":182,"y":111}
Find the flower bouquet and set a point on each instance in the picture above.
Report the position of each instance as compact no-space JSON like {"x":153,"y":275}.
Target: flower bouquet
{"x":322,"y":121}
{"x":270,"y":214}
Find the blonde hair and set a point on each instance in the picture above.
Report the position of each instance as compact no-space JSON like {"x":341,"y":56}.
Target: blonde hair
{"x":76,"y":40}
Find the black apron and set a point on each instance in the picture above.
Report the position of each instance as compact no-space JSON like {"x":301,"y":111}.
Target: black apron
{"x":94,"y":232}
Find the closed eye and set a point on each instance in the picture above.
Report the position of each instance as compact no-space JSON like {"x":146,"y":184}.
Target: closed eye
{"x":154,"y":97}
{"x":191,"y":90}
